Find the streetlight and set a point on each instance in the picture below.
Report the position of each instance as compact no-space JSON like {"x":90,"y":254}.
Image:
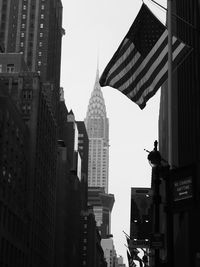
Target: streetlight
{"x":154,"y":158}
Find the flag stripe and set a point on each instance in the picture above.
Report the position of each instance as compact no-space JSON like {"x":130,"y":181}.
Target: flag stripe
{"x":132,"y":67}
{"x":126,"y":44}
{"x":142,"y":101}
{"x":145,"y":71}
{"x":147,"y":80}
{"x":152,"y":79}
{"x":160,"y":79}
{"x":121,"y":52}
{"x":128,"y":62}
{"x":144,"y":62}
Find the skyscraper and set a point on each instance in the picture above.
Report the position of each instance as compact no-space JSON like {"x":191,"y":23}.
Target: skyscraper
{"x":183,"y":225}
{"x":97,"y":126}
{"x":34,"y":28}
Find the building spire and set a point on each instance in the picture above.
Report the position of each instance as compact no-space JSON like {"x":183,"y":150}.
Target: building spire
{"x":97,"y":85}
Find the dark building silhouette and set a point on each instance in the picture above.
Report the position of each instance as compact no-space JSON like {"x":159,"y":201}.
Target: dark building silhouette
{"x":62,"y":217}
{"x":141,"y":219}
{"x":68,"y":200}
{"x":92,"y":254}
{"x":25,"y":90}
{"x":14,"y":179}
{"x":83,"y":147}
{"x":43,"y":187}
{"x":185,"y":135}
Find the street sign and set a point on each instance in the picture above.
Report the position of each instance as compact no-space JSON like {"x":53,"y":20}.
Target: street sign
{"x":139,"y":243}
{"x":183,"y":188}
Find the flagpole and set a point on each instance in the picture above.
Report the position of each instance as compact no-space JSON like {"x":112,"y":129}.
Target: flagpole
{"x":170,"y":113}
{"x":169,"y":24}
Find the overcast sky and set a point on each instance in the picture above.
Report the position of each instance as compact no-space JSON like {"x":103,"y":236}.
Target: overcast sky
{"x":94,"y":29}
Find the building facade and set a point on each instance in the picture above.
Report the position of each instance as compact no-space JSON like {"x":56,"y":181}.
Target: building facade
{"x":91,"y":253}
{"x":34,"y":29}
{"x":14,"y":179}
{"x":141,"y":219}
{"x":25,"y":90}
{"x":109,"y":251}
{"x":102,"y":204}
{"x":185,"y":135}
{"x":83,"y":148}
{"x":120,"y":262}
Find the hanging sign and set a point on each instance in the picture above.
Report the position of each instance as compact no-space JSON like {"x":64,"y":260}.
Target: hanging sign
{"x":183,"y":188}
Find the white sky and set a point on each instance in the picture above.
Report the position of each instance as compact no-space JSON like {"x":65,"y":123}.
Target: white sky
{"x":94,"y":29}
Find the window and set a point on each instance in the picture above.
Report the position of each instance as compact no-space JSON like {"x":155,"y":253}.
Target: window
{"x":0,"y":67}
{"x":23,"y":108}
{"x":28,"y":108}
{"x":24,"y":7}
{"x":23,"y":25}
{"x":40,"y":44}
{"x":10,"y":68}
{"x":41,"y":25}
{"x":22,"y":34}
{"x":41,"y":34}
{"x":39,"y":63}
{"x":39,"y":54}
{"x":23,"y":16}
{"x":22,"y":44}
{"x":42,"y":16}
{"x":42,"y":7}
{"x":25,"y":94}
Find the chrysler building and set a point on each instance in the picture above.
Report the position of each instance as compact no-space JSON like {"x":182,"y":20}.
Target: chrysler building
{"x":97,"y":126}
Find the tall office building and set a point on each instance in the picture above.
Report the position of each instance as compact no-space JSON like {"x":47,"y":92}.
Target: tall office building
{"x":37,"y":179}
{"x":183,"y":229}
{"x":98,"y":131}
{"x":14,"y":179}
{"x":34,"y":28}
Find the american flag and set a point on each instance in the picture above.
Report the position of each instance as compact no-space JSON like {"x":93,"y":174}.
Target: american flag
{"x":131,"y":263}
{"x":140,"y":65}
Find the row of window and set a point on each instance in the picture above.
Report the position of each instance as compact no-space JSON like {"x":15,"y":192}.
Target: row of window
{"x":25,"y":6}
{"x":41,"y":34}
{"x":24,"y":17}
